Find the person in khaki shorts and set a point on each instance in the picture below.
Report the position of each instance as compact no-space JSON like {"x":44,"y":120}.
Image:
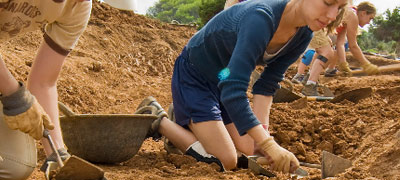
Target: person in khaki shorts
{"x":26,"y":110}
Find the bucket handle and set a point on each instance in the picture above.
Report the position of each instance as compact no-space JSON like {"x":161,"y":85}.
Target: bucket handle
{"x":64,"y":109}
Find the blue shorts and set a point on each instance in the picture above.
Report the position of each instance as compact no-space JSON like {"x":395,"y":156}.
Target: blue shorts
{"x":194,"y":97}
{"x":307,"y":57}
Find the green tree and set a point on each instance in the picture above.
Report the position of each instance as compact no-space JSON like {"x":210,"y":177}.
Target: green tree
{"x":186,"y":11}
{"x":183,"y":11}
{"x":209,"y":8}
{"x":387,"y":28}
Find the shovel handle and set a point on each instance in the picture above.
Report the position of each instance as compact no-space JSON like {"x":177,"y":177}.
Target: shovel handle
{"x":318,"y":166}
{"x":319,"y":98}
{"x":64,"y":109}
{"x":288,"y":83}
{"x":386,"y":68}
{"x":46,"y":134}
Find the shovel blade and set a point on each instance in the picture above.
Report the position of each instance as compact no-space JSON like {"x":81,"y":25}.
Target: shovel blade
{"x":285,"y":95}
{"x":79,"y":169}
{"x":333,"y":165}
{"x":353,"y":95}
{"x":257,"y":168}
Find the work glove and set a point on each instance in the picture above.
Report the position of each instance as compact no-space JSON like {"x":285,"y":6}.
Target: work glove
{"x":281,"y":158}
{"x":344,"y":68}
{"x":370,"y":69}
{"x":23,"y":112}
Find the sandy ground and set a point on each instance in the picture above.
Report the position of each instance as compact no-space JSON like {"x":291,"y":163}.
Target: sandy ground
{"x":123,"y":57}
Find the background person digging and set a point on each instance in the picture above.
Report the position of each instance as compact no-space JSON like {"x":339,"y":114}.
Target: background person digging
{"x":353,"y":18}
{"x":64,"y":21}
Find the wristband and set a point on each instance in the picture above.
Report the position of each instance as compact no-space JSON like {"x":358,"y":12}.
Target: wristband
{"x":18,"y":102}
{"x":265,"y":126}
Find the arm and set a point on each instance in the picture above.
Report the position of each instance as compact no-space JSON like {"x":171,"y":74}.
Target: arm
{"x":341,"y":40}
{"x":9,"y":84}
{"x":343,"y":65}
{"x":42,"y":82}
{"x":352,"y":30}
{"x":21,"y":110}
{"x":254,"y":32}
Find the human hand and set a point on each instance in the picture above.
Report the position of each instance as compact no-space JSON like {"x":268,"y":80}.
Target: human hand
{"x":279,"y":158}
{"x":23,"y":112}
{"x":344,"y":68}
{"x":370,"y":69}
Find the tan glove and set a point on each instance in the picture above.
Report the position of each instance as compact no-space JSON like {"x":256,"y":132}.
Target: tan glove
{"x":23,"y":112}
{"x":281,"y":158}
{"x":344,"y":68}
{"x":370,"y":69}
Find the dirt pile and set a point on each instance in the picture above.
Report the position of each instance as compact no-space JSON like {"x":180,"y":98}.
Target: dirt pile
{"x":123,"y":57}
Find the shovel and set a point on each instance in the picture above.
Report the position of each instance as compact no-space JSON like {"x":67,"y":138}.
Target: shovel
{"x":386,"y":68}
{"x":74,"y":168}
{"x":250,"y":162}
{"x":355,"y":95}
{"x":331,"y":165}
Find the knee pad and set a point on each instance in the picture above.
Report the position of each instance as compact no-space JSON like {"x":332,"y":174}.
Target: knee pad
{"x":307,"y":57}
{"x":322,"y":58}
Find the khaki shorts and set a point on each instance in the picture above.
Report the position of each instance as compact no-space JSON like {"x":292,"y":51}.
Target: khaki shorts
{"x":320,"y":39}
{"x":18,"y":151}
{"x":63,"y":21}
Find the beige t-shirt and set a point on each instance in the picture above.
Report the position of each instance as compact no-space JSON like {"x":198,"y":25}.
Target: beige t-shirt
{"x":63,"y":21}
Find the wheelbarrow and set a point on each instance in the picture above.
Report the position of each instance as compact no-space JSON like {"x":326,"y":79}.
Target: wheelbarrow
{"x":104,"y":138}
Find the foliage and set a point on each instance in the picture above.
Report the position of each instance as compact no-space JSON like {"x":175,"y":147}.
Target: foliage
{"x":383,"y":35}
{"x":186,"y":11}
{"x":209,"y":8}
{"x":183,"y":11}
{"x":387,"y":28}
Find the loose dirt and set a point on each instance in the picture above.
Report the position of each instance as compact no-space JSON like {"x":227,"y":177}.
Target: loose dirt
{"x":123,"y":57}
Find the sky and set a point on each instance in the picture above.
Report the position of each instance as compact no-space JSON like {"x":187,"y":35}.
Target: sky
{"x":143,"y":5}
{"x":381,"y":5}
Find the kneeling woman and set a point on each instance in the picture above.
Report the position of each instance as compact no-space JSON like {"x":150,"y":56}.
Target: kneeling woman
{"x":212,"y":74}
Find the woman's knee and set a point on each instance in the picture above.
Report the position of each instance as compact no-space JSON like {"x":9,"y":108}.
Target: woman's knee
{"x":229,"y":161}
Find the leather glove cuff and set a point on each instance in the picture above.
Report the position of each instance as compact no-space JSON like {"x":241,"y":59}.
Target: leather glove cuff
{"x":18,"y":102}
{"x":267,"y":143}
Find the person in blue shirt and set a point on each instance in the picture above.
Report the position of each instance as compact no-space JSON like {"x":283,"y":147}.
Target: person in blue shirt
{"x":214,"y":119}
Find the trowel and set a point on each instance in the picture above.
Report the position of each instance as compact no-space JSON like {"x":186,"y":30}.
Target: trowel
{"x":330,"y":166}
{"x":74,"y":168}
{"x":251,"y":162}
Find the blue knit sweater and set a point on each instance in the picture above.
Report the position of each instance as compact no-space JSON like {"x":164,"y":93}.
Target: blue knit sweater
{"x":227,"y":49}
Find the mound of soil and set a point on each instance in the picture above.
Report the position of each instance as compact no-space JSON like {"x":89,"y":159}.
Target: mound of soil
{"x":123,"y":57}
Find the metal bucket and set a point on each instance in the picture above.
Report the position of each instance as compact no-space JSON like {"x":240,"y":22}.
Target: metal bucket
{"x":104,"y":138}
